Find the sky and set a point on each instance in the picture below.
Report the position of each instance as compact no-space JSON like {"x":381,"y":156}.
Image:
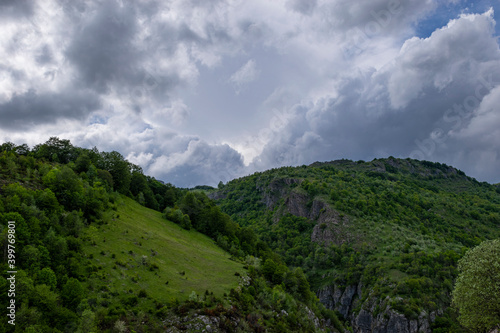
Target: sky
{"x":198,"y":91}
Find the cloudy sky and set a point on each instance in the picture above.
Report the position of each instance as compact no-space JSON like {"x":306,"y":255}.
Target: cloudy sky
{"x":199,"y":91}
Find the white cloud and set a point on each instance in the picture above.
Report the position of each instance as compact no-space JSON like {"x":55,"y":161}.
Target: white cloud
{"x":483,"y":129}
{"x":243,"y":76}
{"x":156,"y":82}
{"x":407,"y":107}
{"x":440,"y":59}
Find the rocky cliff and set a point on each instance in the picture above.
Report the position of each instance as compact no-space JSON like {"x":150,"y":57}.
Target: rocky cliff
{"x":363,"y":311}
{"x":370,"y":318}
{"x":330,"y":226}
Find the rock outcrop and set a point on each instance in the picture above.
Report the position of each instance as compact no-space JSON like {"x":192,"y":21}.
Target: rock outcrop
{"x":330,"y":226}
{"x":369,"y":319}
{"x":276,"y":190}
{"x":223,"y":323}
{"x":284,"y":196}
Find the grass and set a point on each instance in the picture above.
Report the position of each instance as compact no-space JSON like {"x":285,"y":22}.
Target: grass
{"x":138,"y":249}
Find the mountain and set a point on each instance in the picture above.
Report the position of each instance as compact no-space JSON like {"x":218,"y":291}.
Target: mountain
{"x":91,"y":244}
{"x":379,"y":241}
{"x":98,"y":246}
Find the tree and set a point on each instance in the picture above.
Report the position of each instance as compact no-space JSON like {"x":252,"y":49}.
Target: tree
{"x":46,"y":200}
{"x":7,"y":146}
{"x":44,"y":299}
{"x":119,"y":168}
{"x":66,"y":185}
{"x":57,"y":247}
{"x":23,"y":233}
{"x":170,"y":197}
{"x":192,"y":207}
{"x":83,"y":162}
{"x":23,"y":149}
{"x":72,"y":293}
{"x":106,"y":177}
{"x":175,"y":215}
{"x":56,"y":150}
{"x":30,"y":257}
{"x":477,"y":290}
{"x":88,"y":324}
{"x":141,"y":190}
{"x":268,"y":269}
{"x":138,"y":183}
{"x":47,"y":277}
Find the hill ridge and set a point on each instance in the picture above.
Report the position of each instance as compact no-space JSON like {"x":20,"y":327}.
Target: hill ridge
{"x":364,"y":231}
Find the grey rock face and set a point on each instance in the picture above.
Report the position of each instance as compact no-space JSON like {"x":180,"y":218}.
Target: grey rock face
{"x":217,"y":195}
{"x":423,"y":324}
{"x":387,"y":321}
{"x":326,"y":297}
{"x":277,"y":189}
{"x":296,"y":204}
{"x":364,"y":321}
{"x":346,"y":300}
{"x":397,"y":323}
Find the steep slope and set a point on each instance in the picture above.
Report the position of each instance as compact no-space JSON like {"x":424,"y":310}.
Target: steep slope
{"x":89,"y":258}
{"x":379,"y":240}
{"x":139,"y":249}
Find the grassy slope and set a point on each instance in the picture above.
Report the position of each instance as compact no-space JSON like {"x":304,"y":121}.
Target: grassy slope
{"x":173,"y":249}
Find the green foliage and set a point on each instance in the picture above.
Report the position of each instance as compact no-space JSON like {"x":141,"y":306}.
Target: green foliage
{"x":56,"y":150}
{"x":72,"y":293}
{"x":66,"y":185}
{"x":269,"y":269}
{"x":106,"y":177}
{"x":477,"y":289}
{"x":400,"y":226}
{"x":45,"y":299}
{"x":407,"y":223}
{"x":204,"y":216}
{"x":46,"y":200}
{"x":175,"y":215}
{"x":88,"y":322}
{"x":48,"y":277}
{"x":23,"y":230}
{"x":119,"y":168}
{"x":140,"y":189}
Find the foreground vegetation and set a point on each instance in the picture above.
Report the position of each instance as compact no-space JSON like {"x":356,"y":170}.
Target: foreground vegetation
{"x":95,"y":253}
{"x":477,"y":291}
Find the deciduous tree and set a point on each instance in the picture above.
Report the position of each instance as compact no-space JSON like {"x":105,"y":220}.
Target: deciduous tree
{"x":477,"y":290}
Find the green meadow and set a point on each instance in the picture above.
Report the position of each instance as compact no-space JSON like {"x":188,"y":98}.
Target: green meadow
{"x":137,"y":249}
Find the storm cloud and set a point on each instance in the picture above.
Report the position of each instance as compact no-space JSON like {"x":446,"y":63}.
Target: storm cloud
{"x":198,"y":92}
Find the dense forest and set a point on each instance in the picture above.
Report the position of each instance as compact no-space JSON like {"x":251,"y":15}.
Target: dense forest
{"x":376,"y":239}
{"x":63,"y":200}
{"x":341,"y":246}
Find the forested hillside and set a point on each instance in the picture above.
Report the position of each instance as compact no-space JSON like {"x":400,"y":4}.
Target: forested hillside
{"x":379,"y":241}
{"x":100,"y":247}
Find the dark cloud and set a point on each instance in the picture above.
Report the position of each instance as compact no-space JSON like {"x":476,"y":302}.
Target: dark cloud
{"x":199,"y":163}
{"x":103,"y":50}
{"x":113,"y":49}
{"x":15,"y":9}
{"x":30,"y":109}
{"x":374,"y":17}
{"x":305,"y":7}
{"x":157,"y":79}
{"x":44,"y":56}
